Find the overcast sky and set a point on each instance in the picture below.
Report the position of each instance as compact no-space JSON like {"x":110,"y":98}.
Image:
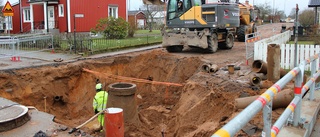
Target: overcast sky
{"x":286,"y":5}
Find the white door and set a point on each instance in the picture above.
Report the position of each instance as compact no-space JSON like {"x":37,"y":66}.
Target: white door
{"x":140,"y":23}
{"x":51,"y":22}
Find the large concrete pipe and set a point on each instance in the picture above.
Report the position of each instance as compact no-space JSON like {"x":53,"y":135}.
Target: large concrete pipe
{"x":259,"y":66}
{"x":122,"y":95}
{"x":256,"y":78}
{"x":281,"y":100}
{"x":273,"y":60}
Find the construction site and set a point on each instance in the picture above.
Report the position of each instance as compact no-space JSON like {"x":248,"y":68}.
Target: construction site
{"x":173,"y":95}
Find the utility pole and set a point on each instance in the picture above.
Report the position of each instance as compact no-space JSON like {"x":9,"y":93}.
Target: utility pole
{"x":273,"y":13}
{"x":296,"y":37}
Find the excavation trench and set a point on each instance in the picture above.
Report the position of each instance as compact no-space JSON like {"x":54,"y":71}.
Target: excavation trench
{"x":201,"y":105}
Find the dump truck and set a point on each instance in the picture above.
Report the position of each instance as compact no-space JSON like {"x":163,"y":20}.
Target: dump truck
{"x":204,"y":24}
{"x":248,"y":16}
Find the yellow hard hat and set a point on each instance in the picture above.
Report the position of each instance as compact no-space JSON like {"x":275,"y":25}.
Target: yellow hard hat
{"x":99,"y":86}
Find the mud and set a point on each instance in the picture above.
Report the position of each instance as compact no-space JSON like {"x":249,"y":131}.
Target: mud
{"x":203,"y":104}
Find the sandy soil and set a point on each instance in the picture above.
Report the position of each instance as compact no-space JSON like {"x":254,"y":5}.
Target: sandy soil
{"x":202,"y":105}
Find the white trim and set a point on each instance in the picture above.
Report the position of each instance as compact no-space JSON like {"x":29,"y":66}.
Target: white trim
{"x":24,"y":10}
{"x":45,"y":9}
{"x":31,"y":17}
{"x":68,"y":12}
{"x":116,"y":10}
{"x":127,"y":10}
{"x":61,"y":10}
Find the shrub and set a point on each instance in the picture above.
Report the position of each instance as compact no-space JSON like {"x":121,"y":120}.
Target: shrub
{"x":132,"y":27}
{"x":112,"y":28}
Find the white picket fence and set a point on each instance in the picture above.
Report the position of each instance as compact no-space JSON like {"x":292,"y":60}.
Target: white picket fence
{"x":286,"y":50}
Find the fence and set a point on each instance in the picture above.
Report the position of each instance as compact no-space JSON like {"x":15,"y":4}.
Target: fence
{"x":265,"y":101}
{"x":260,"y":47}
{"x":15,"y":46}
{"x":88,"y":45}
{"x":287,"y":54}
{"x":249,"y":42}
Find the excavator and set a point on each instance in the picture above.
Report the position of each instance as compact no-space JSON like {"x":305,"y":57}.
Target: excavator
{"x":204,"y":24}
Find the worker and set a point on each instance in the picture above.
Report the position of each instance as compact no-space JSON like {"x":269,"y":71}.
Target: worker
{"x":100,"y":102}
{"x":180,"y":6}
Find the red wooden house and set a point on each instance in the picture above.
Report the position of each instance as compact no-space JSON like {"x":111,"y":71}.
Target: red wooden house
{"x":59,"y":15}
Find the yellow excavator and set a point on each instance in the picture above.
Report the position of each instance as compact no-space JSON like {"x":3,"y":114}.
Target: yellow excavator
{"x":204,"y":24}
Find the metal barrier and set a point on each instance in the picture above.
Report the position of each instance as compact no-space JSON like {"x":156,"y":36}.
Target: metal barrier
{"x":265,"y":101}
{"x":249,"y":42}
{"x":15,"y":46}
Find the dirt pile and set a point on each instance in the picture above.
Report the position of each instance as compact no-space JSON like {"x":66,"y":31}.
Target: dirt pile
{"x":202,"y":105}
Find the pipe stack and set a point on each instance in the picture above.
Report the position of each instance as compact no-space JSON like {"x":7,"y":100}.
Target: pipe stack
{"x":210,"y":68}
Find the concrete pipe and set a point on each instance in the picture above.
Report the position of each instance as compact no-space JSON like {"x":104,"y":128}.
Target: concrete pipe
{"x":213,"y":68}
{"x":122,"y":95}
{"x":205,"y":67}
{"x":57,"y":98}
{"x":255,"y":80}
{"x":281,"y":100}
{"x":259,"y":66}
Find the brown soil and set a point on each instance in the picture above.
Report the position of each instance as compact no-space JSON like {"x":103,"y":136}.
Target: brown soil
{"x":201,"y":106}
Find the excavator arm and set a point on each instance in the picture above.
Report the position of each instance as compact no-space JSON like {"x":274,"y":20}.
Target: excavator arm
{"x":154,"y":2}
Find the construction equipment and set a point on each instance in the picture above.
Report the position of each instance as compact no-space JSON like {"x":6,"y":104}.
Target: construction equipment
{"x":205,"y":24}
{"x":197,"y":24}
{"x":248,"y":16}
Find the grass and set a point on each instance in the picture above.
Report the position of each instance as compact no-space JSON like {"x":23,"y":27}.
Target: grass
{"x":101,"y":44}
{"x":147,"y":32}
{"x":302,"y":42}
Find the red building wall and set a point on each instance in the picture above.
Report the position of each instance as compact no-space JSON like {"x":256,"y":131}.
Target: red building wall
{"x":15,"y":19}
{"x":93,"y":11}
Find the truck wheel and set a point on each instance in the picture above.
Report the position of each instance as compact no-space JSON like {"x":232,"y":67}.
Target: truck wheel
{"x":241,"y":33}
{"x":228,"y":44}
{"x":212,"y":43}
{"x":174,"y":49}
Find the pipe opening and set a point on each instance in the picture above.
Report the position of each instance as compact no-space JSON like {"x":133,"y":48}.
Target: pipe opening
{"x":122,"y":85}
{"x":57,"y":98}
{"x":255,"y":80}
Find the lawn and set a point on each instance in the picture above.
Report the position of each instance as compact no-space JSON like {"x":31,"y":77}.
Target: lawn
{"x":101,"y":44}
{"x":302,"y":42}
{"x":146,"y":32}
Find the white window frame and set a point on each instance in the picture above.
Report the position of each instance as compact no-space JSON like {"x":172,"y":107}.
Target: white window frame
{"x":111,"y":10}
{"x":61,"y":10}
{"x":26,"y":17}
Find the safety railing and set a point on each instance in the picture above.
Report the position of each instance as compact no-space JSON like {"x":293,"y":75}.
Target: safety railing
{"x":249,"y":42}
{"x":264,"y":102}
{"x":15,"y":46}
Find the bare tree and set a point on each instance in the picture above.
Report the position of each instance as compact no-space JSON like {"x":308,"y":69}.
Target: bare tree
{"x":265,"y":10}
{"x":292,"y":14}
{"x":151,"y":11}
{"x":306,"y":17}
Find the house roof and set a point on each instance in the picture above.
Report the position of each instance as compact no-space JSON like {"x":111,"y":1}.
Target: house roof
{"x":135,"y":12}
{"x":314,"y":3}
